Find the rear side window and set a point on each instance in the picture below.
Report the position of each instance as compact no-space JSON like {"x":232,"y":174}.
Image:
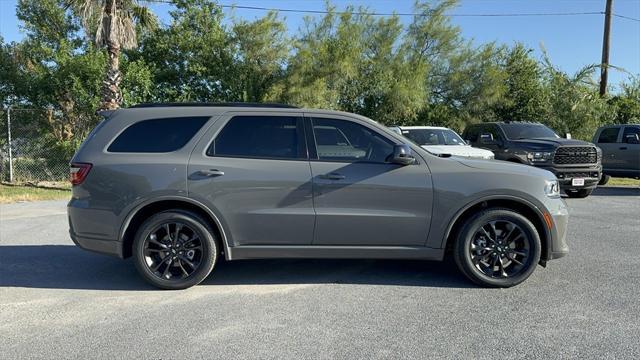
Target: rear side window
{"x":471,"y":133}
{"x":266,"y":137}
{"x":609,"y":135}
{"x":157,"y":135}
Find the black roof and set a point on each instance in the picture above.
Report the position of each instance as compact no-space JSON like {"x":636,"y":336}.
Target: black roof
{"x":220,"y":104}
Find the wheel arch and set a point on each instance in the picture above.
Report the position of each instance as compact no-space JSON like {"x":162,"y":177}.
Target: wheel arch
{"x":143,"y":211}
{"x":522,"y":206}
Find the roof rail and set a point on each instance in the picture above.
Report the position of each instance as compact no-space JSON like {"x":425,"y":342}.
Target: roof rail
{"x":218,"y":104}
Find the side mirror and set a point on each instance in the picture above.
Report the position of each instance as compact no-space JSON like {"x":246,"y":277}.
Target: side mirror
{"x":567,"y":135}
{"x":632,"y":139}
{"x":402,"y":155}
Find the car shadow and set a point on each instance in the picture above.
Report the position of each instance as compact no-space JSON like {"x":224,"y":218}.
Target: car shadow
{"x":69,"y":267}
{"x":616,"y":191}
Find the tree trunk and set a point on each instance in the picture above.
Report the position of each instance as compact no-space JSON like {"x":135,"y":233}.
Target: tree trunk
{"x":111,"y":94}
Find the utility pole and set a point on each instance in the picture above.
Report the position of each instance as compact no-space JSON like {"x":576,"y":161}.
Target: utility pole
{"x":604,"y":65}
{"x":9,"y":144}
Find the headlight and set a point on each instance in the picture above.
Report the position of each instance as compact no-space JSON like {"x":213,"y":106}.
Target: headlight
{"x":539,"y":156}
{"x":552,"y":188}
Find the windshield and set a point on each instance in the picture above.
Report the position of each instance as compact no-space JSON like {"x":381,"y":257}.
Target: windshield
{"x":433,"y":137}
{"x":528,"y":131}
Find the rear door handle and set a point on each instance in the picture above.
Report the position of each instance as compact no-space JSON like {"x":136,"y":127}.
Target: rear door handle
{"x":623,"y":148}
{"x":332,"y":176}
{"x":211,"y":172}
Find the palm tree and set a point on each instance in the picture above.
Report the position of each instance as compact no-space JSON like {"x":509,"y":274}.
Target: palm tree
{"x":114,"y":23}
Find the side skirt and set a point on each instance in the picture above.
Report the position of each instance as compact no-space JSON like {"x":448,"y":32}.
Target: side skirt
{"x":333,"y":252}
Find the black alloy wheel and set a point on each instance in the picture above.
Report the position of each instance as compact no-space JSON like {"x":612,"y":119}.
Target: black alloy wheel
{"x":497,"y":248}
{"x":175,"y":250}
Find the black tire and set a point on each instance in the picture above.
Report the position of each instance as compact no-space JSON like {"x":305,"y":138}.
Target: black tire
{"x":512,"y":267}
{"x":184,"y":255}
{"x":578,"y":194}
{"x":604,"y":179}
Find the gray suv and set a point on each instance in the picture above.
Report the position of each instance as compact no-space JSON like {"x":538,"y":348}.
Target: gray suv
{"x":620,"y":146}
{"x":177,"y":186}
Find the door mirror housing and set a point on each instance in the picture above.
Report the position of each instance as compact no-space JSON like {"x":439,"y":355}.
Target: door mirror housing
{"x":402,"y":155}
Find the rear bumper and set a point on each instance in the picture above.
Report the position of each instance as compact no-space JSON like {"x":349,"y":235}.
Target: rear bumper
{"x":92,"y":229}
{"x":107,"y":247}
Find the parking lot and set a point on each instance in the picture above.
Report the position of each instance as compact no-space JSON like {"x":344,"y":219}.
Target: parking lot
{"x":57,"y":301}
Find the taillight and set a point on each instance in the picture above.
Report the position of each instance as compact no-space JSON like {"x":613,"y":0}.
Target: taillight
{"x":78,"y":172}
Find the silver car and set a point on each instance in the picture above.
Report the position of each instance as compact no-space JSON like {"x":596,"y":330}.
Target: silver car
{"x":177,"y":186}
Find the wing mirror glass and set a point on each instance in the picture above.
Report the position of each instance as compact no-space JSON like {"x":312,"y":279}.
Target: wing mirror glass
{"x":402,"y":155}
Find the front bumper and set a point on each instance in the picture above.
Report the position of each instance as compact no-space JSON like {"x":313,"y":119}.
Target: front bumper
{"x":559,"y":212}
{"x":591,"y":175}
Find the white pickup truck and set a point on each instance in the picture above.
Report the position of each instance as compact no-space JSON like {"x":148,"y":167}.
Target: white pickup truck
{"x":441,"y":140}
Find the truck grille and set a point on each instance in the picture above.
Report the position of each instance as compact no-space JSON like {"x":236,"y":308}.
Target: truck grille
{"x":576,"y":155}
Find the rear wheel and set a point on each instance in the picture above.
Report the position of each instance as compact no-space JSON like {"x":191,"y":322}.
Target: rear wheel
{"x":580,"y":193}
{"x":497,"y":248}
{"x":175,"y":250}
{"x":604,"y":180}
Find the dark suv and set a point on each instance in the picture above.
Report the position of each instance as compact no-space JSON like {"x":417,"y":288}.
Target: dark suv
{"x":576,"y":164}
{"x":177,"y":187}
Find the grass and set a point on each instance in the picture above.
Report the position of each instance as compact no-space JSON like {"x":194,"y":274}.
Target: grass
{"x":16,"y":193}
{"x":623,"y":181}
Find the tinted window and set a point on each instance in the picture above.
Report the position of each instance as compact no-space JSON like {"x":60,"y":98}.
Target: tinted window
{"x":528,"y":131}
{"x":631,"y":134}
{"x":433,"y":136}
{"x":157,"y":135}
{"x":278,"y":137}
{"x":609,"y":135}
{"x":343,"y":140}
{"x":471,"y":133}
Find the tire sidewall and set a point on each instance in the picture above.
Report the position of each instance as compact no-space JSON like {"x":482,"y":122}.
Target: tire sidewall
{"x":209,"y":249}
{"x":463,"y":255}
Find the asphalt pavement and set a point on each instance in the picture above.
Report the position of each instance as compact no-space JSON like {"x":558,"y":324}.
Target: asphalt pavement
{"x":58,"y":301}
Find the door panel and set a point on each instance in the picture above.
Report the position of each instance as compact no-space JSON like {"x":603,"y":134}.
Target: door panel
{"x":371,"y":204}
{"x":608,"y":143}
{"x":360,"y":199}
{"x":629,"y":153}
{"x":262,"y":201}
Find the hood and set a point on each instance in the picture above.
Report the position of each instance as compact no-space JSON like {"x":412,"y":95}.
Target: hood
{"x":459,"y":150}
{"x":507,"y":167}
{"x":549,"y":143}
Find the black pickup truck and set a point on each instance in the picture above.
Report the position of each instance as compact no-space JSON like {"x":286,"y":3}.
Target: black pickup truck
{"x":576,"y":164}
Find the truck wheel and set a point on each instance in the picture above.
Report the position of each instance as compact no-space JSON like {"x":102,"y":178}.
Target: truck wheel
{"x":578,"y":194}
{"x":604,"y":180}
{"x":497,"y":248}
{"x":175,"y":250}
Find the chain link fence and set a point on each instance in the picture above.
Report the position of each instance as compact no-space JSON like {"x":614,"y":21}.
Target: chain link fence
{"x":34,"y":147}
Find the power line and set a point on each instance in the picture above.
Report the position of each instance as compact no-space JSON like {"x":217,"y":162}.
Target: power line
{"x":626,"y":17}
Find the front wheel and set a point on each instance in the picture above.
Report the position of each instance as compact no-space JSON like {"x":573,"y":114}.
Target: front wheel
{"x":579,"y":194}
{"x":604,"y":179}
{"x":175,"y":250}
{"x":497,"y":248}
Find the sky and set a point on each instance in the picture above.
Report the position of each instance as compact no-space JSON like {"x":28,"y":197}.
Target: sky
{"x":570,"y":41}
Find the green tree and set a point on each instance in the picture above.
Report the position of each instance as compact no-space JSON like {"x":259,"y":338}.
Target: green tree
{"x":112,"y":26}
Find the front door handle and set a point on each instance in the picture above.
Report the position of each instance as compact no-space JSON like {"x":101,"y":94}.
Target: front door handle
{"x":332,"y":176}
{"x":623,"y":148}
{"x":211,"y":172}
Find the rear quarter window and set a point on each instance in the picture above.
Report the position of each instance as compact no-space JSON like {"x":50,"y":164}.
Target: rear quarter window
{"x":157,"y":135}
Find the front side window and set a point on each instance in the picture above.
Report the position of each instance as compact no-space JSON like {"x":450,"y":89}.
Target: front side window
{"x":433,"y":137}
{"x":631,"y":135}
{"x":609,"y":135}
{"x":271,"y":137}
{"x":157,"y":135}
{"x":343,"y":140}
